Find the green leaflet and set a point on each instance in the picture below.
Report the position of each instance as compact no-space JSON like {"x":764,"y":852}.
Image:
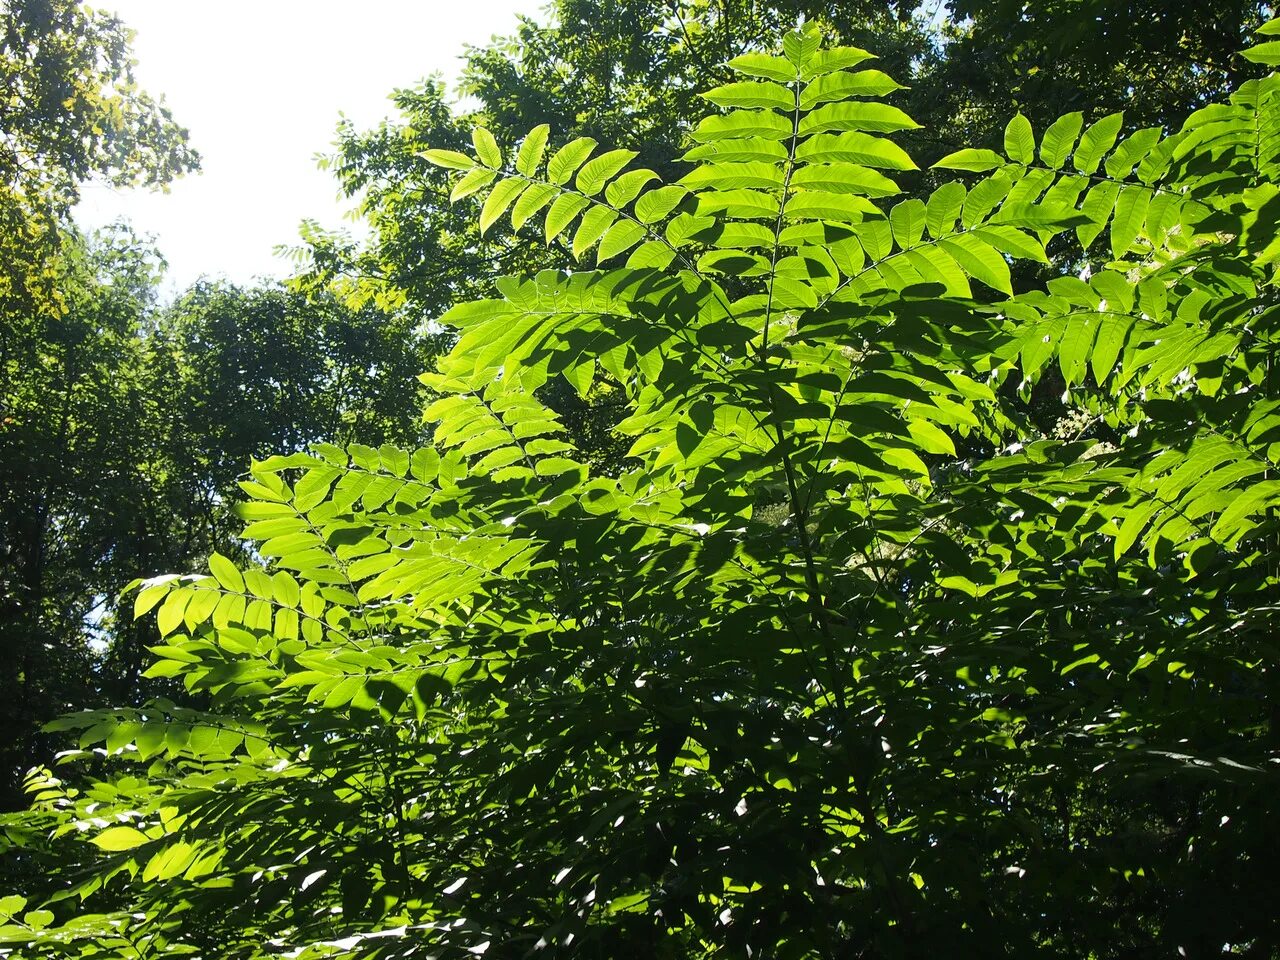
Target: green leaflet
{"x":869,"y":117}
{"x":739,"y":124}
{"x":656,"y":204}
{"x":533,"y":199}
{"x":1130,"y":215}
{"x":599,"y":170}
{"x":1059,"y":139}
{"x":531,"y":150}
{"x":486,"y":148}
{"x":499,"y":199}
{"x":943,"y":207}
{"x":566,"y":207}
{"x":752,"y":94}
{"x":226,"y":573}
{"x":763,"y":65}
{"x":733,"y":176}
{"x":842,"y":178}
{"x":449,"y":159}
{"x":1096,"y":141}
{"x":854,"y":147}
{"x":1019,"y":140}
{"x":907,"y":220}
{"x":566,"y":160}
{"x":115,"y":839}
{"x":475,"y":180}
{"x":972,"y":160}
{"x":628,"y":186}
{"x":841,"y":85}
{"x":980,"y":260}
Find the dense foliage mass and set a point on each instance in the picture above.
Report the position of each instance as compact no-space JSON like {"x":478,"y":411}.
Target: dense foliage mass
{"x":120,"y":441}
{"x":848,"y":655}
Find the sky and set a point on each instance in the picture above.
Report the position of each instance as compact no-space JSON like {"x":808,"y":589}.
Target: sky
{"x":260,"y":84}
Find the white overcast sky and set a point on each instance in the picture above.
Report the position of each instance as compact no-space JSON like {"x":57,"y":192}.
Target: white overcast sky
{"x":260,"y":85}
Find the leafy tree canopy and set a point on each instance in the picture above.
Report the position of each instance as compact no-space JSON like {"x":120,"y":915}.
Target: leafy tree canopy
{"x":846,"y":658}
{"x":71,"y":111}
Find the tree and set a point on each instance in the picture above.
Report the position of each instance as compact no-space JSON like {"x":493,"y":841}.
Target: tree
{"x":72,"y":111}
{"x":848,"y":661}
{"x":70,"y":362}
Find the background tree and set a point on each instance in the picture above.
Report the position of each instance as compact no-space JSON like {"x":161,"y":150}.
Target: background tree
{"x":71,"y":112}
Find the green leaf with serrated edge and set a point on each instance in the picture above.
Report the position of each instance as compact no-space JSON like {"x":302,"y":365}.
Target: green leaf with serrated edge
{"x":1112,"y":332}
{"x":739,"y":124}
{"x":1075,"y":348}
{"x":733,"y":176}
{"x":1097,"y":206}
{"x":495,"y":205}
{"x":532,"y":149}
{"x":841,"y":85}
{"x":1230,"y":525}
{"x":653,"y":205}
{"x":116,"y":839}
{"x":594,"y":224}
{"x":736,"y":263}
{"x":935,"y":264}
{"x":1134,"y":523}
{"x":822,"y":205}
{"x":595,"y":173}
{"x":486,"y":148}
{"x":763,"y":65}
{"x":226,"y":573}
{"x":931,"y":438}
{"x":562,"y":213}
{"x":684,"y":228}
{"x":581,"y":376}
{"x":844,"y":178}
{"x":1267,"y":54}
{"x":1131,"y":151}
{"x":537,"y":196}
{"x":752,"y":94}
{"x":1012,"y":241}
{"x":561,"y":167}
{"x":449,"y":159}
{"x":869,"y":117}
{"x":970,"y":159}
{"x":477,"y":179}
{"x":854,"y":147}
{"x":628,"y":186}
{"x":1019,"y":140}
{"x":1058,"y":140}
{"x":740,"y":204}
{"x":980,"y":260}
{"x":1130,"y":215}
{"x":149,"y":596}
{"x":800,"y":45}
{"x":621,"y":237}
{"x":984,"y":197}
{"x":313,"y":487}
{"x":1096,"y":141}
{"x":943,"y":207}
{"x":907,"y":220}
{"x":743,"y":149}
{"x":834,"y":58}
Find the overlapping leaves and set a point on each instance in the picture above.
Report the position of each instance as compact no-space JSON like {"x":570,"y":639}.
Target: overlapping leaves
{"x":484,"y":699}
